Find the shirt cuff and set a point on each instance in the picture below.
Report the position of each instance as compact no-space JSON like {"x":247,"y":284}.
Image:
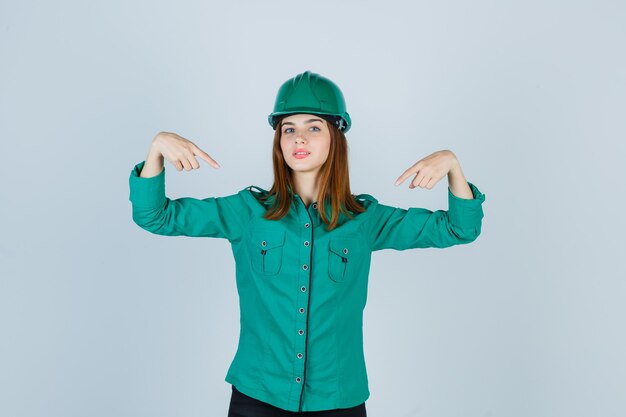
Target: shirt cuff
{"x":146,"y":192}
{"x":466,"y":212}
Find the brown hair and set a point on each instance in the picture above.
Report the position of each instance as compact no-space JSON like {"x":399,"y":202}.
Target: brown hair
{"x":333,"y":177}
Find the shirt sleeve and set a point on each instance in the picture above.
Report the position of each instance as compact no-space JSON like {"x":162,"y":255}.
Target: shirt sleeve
{"x":400,"y":229}
{"x":221,"y":217}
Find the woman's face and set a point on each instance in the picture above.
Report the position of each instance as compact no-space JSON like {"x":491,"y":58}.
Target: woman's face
{"x":307,"y":133}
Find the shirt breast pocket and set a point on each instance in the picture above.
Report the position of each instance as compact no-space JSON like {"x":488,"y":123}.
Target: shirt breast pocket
{"x":342,"y":254}
{"x":266,"y":247}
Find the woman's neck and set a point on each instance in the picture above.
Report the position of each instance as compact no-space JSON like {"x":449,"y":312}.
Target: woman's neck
{"x":306,"y":186}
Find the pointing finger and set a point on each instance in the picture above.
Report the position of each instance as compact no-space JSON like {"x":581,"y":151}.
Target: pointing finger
{"x":406,"y":174}
{"x":205,"y":156}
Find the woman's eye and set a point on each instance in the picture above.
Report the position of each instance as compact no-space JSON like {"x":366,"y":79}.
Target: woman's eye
{"x":290,"y":128}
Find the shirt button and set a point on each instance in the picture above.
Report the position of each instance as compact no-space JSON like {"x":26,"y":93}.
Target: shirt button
{"x":306,"y":243}
{"x":264,"y":243}
{"x":314,"y":206}
{"x":345,"y":250}
{"x":305,"y":267}
{"x":298,"y":379}
{"x":307,"y":225}
{"x":301,"y":310}
{"x":300,"y":332}
{"x":299,"y":355}
{"x":303,"y":289}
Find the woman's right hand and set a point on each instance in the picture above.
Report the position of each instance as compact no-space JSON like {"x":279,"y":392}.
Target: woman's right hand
{"x":180,"y":152}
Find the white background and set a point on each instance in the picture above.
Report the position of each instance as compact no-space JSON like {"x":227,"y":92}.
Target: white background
{"x":100,"y":318}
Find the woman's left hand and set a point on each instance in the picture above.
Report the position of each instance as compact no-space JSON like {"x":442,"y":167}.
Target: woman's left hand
{"x":429,"y":170}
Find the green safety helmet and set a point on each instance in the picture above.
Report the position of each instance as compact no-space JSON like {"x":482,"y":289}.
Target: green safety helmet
{"x":311,"y":93}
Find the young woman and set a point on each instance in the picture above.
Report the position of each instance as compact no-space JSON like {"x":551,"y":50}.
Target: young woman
{"x":302,"y":250}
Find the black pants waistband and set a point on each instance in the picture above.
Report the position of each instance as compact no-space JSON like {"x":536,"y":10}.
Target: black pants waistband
{"x":242,"y":405}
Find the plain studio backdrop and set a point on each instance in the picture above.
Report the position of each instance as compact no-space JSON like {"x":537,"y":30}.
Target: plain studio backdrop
{"x":101,"y":318}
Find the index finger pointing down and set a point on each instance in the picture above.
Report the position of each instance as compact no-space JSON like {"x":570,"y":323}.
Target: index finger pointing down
{"x":406,"y":174}
{"x":207,"y":158}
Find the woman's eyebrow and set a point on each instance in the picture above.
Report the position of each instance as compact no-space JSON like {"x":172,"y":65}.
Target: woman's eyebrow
{"x":308,"y":121}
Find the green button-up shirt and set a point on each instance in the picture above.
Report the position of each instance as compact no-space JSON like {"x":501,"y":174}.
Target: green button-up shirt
{"x":302,"y":289}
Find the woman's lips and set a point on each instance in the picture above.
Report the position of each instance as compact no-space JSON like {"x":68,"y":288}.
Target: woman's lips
{"x":299,"y":155}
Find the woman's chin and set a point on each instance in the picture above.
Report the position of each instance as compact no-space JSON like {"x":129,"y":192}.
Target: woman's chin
{"x":303,"y":169}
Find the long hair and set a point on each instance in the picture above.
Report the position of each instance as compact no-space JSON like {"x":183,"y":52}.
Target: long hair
{"x":333,"y":178}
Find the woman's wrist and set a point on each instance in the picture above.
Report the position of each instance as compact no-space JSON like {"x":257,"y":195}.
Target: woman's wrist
{"x":154,"y":163}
